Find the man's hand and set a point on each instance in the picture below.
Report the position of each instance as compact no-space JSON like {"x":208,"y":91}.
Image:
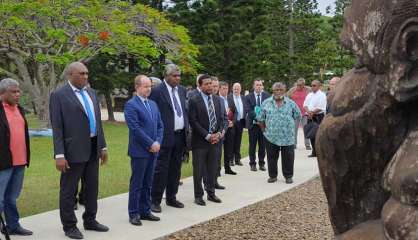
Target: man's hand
{"x":155,"y":147}
{"x":230,"y":124}
{"x":61,"y":164}
{"x":214,"y":138}
{"x":103,"y":157}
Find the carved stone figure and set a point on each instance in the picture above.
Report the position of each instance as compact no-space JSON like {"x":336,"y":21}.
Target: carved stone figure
{"x":368,"y":144}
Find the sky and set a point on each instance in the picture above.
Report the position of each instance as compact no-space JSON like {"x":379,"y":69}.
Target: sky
{"x":322,"y":4}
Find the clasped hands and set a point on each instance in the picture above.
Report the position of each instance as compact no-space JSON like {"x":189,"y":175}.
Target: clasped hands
{"x":215,"y":138}
{"x":155,"y":147}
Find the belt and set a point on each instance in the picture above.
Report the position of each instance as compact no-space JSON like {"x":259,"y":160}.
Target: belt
{"x":178,"y":131}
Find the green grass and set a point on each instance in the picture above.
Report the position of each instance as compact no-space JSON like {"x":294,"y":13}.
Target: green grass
{"x":41,"y":184}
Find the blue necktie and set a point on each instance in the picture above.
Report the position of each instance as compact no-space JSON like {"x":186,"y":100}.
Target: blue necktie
{"x":258,"y":100}
{"x":176,"y":103}
{"x":148,"y":107}
{"x":92,"y":123}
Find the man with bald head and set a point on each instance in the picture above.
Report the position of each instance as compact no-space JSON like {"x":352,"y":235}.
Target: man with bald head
{"x":79,"y":144}
{"x":239,"y":104}
{"x":315,"y":105}
{"x":145,"y":139}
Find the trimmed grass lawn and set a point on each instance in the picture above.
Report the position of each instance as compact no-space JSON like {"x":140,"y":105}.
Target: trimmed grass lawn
{"x":41,"y":184}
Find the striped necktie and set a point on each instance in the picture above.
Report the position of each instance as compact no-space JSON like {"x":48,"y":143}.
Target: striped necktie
{"x":212,"y":117}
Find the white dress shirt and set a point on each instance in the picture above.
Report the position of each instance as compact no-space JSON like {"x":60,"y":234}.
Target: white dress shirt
{"x":178,"y":121}
{"x":317,"y":100}
{"x":240,"y":107}
{"x":225,"y":102}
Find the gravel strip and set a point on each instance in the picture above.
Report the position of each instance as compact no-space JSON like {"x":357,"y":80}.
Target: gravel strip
{"x":300,"y":213}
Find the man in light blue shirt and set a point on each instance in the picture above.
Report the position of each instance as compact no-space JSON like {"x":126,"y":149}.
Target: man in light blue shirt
{"x":277,"y":119}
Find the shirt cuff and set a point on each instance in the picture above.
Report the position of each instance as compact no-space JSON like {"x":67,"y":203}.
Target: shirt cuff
{"x":59,"y":156}
{"x":104,"y":149}
{"x":154,"y":143}
{"x":208,"y":137}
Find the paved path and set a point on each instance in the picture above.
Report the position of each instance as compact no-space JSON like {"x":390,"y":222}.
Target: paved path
{"x":241,"y":190}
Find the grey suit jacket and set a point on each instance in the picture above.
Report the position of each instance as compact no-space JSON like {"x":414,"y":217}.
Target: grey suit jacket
{"x":70,"y":125}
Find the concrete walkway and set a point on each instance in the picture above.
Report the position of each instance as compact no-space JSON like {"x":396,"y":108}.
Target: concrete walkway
{"x":241,"y":190}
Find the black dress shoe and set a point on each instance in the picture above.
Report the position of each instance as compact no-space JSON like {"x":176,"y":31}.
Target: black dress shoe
{"x":214,"y":198}
{"x":312,"y":155}
{"x":150,"y":217}
{"x":230,"y":172}
{"x":272,"y":180}
{"x":135,"y":221}
{"x":218,"y":186}
{"x":239,"y":163}
{"x":253,"y":168}
{"x":199,"y":201}
{"x":20,"y":231}
{"x":95,"y":226}
{"x":289,"y":180}
{"x":74,"y":233}
{"x":174,"y":203}
{"x":231,"y":163}
{"x":155,"y":208}
{"x":262,"y":168}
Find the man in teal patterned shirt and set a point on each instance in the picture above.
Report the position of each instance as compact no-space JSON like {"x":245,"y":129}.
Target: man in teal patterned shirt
{"x":277,"y":119}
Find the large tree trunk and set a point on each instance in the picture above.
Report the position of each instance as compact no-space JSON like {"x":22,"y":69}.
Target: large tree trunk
{"x":109,"y":106}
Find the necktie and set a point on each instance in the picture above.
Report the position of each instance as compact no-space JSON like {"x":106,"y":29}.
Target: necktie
{"x":176,"y":104}
{"x":92,"y":123}
{"x":238,"y":107}
{"x":258,"y":99}
{"x":146,"y":103}
{"x":212,"y":117}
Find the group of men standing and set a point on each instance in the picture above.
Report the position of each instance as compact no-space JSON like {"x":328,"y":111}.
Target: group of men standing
{"x":158,"y":119}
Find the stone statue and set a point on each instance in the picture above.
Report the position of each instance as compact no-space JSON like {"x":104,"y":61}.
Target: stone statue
{"x":368,"y":144}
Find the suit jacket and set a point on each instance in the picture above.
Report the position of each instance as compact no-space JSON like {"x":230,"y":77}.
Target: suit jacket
{"x":70,"y":125}
{"x":199,"y":120}
{"x":251,"y":103}
{"x":232,"y":105}
{"x":6,"y":160}
{"x":160,"y":95}
{"x":145,"y":127}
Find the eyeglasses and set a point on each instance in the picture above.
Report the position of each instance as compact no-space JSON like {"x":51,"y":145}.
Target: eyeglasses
{"x":314,"y":85}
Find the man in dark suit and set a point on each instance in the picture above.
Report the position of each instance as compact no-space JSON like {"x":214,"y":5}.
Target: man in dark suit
{"x":228,"y":141}
{"x":14,"y":155}
{"x":208,"y":129}
{"x":145,"y":137}
{"x":255,"y":134}
{"x":239,"y":104}
{"x":171,"y":100}
{"x":79,"y":143}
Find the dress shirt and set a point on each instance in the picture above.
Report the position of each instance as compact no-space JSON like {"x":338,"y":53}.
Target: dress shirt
{"x":317,"y":100}
{"x":17,"y":134}
{"x":178,"y":121}
{"x":279,"y":121}
{"x":225,"y":102}
{"x":240,"y":107}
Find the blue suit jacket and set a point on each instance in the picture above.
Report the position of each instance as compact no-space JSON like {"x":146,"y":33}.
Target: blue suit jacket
{"x":161,"y":96}
{"x":144,"y":129}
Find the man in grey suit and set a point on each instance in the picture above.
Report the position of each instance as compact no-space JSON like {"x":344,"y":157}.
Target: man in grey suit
{"x":79,"y":143}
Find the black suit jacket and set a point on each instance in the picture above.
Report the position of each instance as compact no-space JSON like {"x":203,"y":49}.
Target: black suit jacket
{"x":251,"y":103}
{"x":161,"y":96}
{"x":199,"y":120}
{"x":70,"y":125}
{"x":6,"y":160}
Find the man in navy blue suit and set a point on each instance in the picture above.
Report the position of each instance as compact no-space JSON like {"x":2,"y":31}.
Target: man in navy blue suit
{"x":145,"y":137}
{"x":171,"y":100}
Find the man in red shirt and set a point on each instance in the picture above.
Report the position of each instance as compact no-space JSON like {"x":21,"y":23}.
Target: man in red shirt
{"x":14,"y":154}
{"x":298,"y":94}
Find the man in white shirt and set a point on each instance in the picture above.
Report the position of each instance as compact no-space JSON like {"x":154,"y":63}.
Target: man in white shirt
{"x":238,"y":103}
{"x":315,"y":106}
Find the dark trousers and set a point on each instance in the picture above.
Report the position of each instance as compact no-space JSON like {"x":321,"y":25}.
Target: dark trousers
{"x":168,"y":170}
{"x":229,"y":147}
{"x":89,"y":171}
{"x":238,"y":128}
{"x":256,"y":135}
{"x":205,"y":164}
{"x":140,"y":186}
{"x":318,"y":119}
{"x":288,"y":158}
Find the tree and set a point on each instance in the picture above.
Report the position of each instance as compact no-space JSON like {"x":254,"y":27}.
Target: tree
{"x":38,"y":38}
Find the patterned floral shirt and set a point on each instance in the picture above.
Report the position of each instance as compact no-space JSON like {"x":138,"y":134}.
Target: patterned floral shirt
{"x":280,"y":121}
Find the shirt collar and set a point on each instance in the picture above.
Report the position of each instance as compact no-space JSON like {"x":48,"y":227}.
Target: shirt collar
{"x":142,"y":98}
{"x":8,"y":106}
{"x":204,"y":95}
{"x":75,"y":89}
{"x":169,"y":87}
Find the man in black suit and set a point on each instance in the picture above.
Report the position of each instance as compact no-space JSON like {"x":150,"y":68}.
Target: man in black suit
{"x":208,"y":129}
{"x":239,"y":104}
{"x":255,"y":134}
{"x":79,"y":143}
{"x":228,"y":141}
{"x":171,"y":100}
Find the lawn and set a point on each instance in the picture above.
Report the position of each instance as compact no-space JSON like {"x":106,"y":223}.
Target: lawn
{"x":41,"y":185}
